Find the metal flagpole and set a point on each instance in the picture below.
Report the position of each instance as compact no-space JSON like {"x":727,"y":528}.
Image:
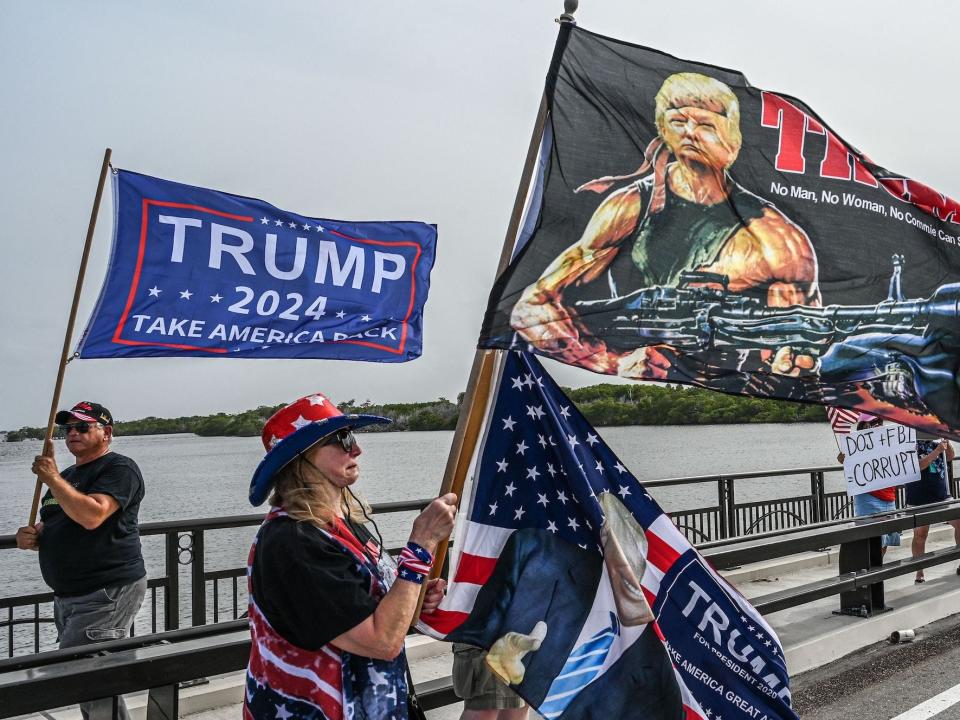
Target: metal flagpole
{"x":48,"y":440}
{"x":477,"y":395}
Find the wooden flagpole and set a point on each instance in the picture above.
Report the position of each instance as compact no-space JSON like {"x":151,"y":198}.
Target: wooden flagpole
{"x":47,"y":447}
{"x":477,"y":395}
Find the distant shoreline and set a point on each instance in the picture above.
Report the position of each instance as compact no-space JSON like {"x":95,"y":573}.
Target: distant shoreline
{"x":603,"y":405}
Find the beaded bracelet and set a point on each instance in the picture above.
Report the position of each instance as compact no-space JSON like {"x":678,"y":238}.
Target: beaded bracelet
{"x":414,"y":563}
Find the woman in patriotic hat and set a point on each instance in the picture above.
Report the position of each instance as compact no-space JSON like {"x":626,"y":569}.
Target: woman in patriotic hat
{"x":327,"y":618}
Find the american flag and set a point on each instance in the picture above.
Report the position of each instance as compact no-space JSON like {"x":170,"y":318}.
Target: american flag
{"x":543,"y":466}
{"x":841,"y":419}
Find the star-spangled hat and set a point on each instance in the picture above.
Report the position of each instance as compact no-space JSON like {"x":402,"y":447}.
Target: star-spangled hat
{"x":295,"y":428}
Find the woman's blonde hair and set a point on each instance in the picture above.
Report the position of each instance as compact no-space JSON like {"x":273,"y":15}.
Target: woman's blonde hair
{"x":310,"y":501}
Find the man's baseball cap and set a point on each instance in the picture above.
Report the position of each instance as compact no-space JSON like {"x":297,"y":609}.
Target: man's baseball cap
{"x":87,"y":411}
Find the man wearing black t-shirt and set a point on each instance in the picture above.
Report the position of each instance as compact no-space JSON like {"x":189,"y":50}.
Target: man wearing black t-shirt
{"x":88,"y":536}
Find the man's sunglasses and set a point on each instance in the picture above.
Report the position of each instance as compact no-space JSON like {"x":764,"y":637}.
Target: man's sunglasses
{"x":344,"y":438}
{"x":80,"y":427}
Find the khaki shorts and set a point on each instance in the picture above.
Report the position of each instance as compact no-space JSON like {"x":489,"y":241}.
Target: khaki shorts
{"x":479,"y":688}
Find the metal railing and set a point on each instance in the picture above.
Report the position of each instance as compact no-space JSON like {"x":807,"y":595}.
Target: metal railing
{"x":198,"y":596}
{"x":729,"y":518}
{"x":168,"y":600}
{"x":160,"y":663}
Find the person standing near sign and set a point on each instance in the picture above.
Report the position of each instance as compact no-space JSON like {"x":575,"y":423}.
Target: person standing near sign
{"x":876,"y":501}
{"x":933,"y":486}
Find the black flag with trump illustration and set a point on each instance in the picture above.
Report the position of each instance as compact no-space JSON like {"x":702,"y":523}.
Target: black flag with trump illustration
{"x":688,"y":227}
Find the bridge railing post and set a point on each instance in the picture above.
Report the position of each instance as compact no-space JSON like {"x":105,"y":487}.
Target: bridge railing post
{"x":724,"y":515}
{"x":198,"y":584}
{"x":733,"y":524}
{"x":171,"y":594}
{"x":818,"y":497}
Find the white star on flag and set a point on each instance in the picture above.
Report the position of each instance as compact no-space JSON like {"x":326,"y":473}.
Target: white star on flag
{"x":155,"y":291}
{"x":508,"y":423}
{"x":292,"y":224}
{"x":502,"y":465}
{"x":216,"y":298}
{"x":517,"y":384}
{"x":366,"y":318}
{"x":592,"y":439}
{"x":341,"y":314}
{"x":510,"y":489}
{"x":264,"y":221}
{"x":317,"y":400}
{"x":521,"y":447}
{"x":186,"y":294}
{"x":533,"y":473}
{"x":278,"y":223}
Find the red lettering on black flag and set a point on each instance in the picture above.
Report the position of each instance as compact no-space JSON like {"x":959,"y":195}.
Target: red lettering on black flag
{"x":697,"y":230}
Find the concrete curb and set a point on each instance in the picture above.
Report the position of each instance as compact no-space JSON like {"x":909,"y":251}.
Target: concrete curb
{"x":838,"y":642}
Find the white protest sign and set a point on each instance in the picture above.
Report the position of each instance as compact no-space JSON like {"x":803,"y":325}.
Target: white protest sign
{"x":880,"y":457}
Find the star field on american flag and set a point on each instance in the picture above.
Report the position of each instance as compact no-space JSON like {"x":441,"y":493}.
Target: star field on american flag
{"x":548,"y":464}
{"x":543,"y":466}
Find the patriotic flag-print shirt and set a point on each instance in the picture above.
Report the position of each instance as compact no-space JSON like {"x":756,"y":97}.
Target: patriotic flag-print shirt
{"x":306,"y":587}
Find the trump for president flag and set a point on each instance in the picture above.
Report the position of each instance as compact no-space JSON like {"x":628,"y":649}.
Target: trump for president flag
{"x":203,"y":273}
{"x":590,"y":601}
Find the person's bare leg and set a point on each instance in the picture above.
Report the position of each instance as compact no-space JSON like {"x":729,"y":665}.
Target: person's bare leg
{"x":479,"y":715}
{"x":513,"y":714}
{"x":919,"y":545}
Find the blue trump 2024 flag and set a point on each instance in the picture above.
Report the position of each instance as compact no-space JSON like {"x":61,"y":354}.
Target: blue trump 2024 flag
{"x":204,"y":273}
{"x":584,"y":591}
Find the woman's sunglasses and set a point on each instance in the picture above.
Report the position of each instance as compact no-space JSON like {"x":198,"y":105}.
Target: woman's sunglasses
{"x":344,"y":438}
{"x":80,"y":427}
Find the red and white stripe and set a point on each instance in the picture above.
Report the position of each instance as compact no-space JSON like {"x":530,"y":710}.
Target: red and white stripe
{"x":482,"y":545}
{"x":412,"y":563}
{"x":841,"y":419}
{"x":311,"y":677}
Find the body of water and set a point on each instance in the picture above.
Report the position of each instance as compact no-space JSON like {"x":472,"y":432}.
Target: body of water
{"x":189,"y":477}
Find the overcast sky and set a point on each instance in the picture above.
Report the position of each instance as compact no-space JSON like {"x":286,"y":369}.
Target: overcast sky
{"x":367,"y":110}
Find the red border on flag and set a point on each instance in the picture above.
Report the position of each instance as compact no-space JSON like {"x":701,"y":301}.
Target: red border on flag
{"x":147,"y":202}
